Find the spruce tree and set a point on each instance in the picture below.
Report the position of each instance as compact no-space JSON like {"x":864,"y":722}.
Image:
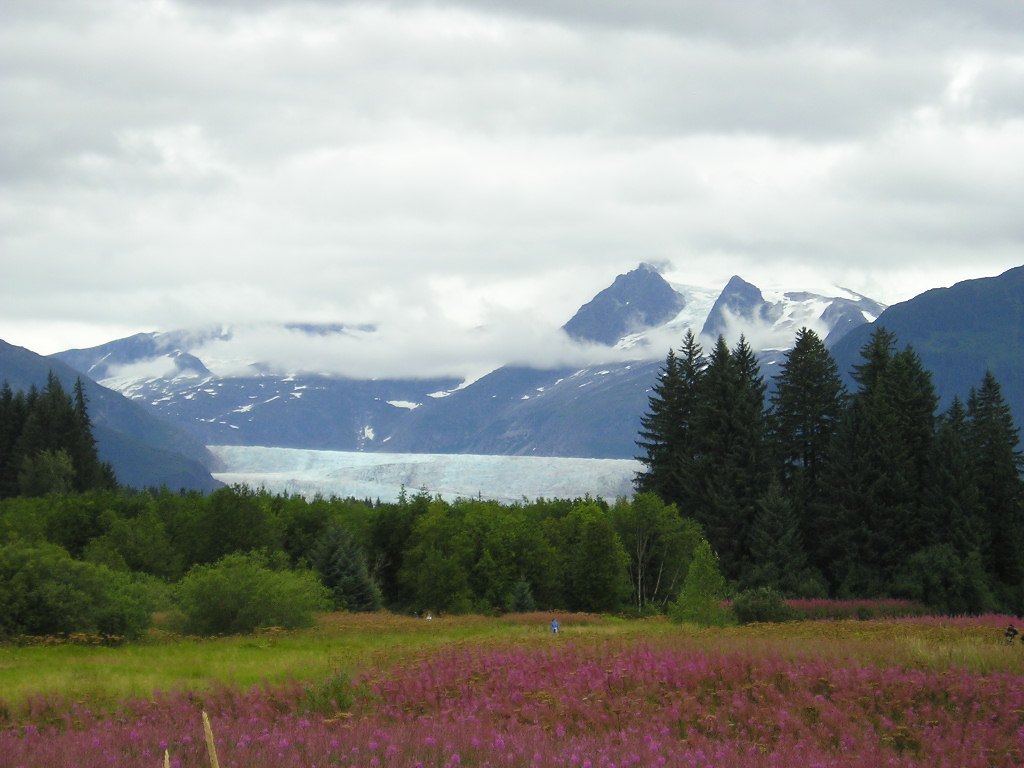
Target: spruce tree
{"x":732,"y":464}
{"x":90,"y":472}
{"x":704,"y":589}
{"x":992,"y":440}
{"x":341,"y":564}
{"x":951,"y":487}
{"x":910,"y":403}
{"x":807,"y":403}
{"x":658,"y":431}
{"x":870,"y":518}
{"x":667,"y":433}
{"x":776,"y":545}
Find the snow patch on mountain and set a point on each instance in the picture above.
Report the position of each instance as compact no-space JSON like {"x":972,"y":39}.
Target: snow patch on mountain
{"x":505,"y":479}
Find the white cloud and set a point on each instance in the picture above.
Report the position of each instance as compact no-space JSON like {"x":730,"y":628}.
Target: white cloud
{"x":456,"y":166}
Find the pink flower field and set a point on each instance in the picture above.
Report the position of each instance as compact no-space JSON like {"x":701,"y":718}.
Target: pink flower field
{"x":558,"y":703}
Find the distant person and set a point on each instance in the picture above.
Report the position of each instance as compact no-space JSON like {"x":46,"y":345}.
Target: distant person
{"x":430,"y":616}
{"x":555,"y":626}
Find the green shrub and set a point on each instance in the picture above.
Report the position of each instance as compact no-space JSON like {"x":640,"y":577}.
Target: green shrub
{"x":329,"y":696}
{"x":700,"y":601}
{"x":44,"y":591}
{"x":762,"y":604}
{"x":241,"y":593}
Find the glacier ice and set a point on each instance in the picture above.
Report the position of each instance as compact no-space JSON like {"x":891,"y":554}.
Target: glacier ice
{"x":383,"y":475}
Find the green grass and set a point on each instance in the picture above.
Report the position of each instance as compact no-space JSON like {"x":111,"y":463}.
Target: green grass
{"x":346,"y":643}
{"x":162,"y":662}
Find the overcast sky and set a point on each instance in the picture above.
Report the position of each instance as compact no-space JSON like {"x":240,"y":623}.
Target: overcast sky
{"x":478,"y":170}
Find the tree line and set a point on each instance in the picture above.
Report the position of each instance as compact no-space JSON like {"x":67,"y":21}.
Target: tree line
{"x":79,"y":553}
{"x":46,"y":442}
{"x":420,"y":553}
{"x":814,"y":490}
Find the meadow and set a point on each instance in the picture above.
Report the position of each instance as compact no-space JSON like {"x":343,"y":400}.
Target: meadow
{"x":386,"y":690}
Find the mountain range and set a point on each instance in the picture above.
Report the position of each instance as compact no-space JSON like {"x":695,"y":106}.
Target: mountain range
{"x":161,"y":398}
{"x":591,"y":411}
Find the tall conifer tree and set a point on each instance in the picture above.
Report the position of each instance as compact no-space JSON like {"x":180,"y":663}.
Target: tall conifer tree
{"x":992,"y":440}
{"x":733,"y":467}
{"x":807,"y":403}
{"x":871,"y":516}
{"x":668,"y":431}
{"x":951,"y":487}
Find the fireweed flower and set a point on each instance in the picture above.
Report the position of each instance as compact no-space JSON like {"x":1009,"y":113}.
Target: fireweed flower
{"x":621,"y":704}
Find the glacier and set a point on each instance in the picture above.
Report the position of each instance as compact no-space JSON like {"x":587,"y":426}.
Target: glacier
{"x":383,"y":476}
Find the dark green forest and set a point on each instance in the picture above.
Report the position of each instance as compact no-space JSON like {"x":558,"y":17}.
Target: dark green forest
{"x":46,"y":442}
{"x":792,"y":484}
{"x":816,"y":491}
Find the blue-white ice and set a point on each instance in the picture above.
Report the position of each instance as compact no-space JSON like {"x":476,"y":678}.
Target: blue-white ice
{"x":382,"y":475}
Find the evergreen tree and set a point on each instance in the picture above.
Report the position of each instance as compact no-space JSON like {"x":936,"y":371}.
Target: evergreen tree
{"x":42,"y":427}
{"x":521,"y":599}
{"x":700,"y":600}
{"x":871,"y":517}
{"x":776,"y":548}
{"x":90,"y":472}
{"x":876,"y":356}
{"x":667,"y":433}
{"x":341,"y":565}
{"x":909,"y":398}
{"x":807,"y":403}
{"x":992,"y":441}
{"x":658,"y":431}
{"x":13,"y":414}
{"x":951,"y":487}
{"x":733,"y":466}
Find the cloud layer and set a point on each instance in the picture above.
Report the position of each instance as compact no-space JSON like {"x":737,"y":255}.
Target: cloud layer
{"x":454,"y":167}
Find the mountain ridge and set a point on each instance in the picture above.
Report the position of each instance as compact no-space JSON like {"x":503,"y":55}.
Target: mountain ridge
{"x":589,"y":409}
{"x":959,"y":332}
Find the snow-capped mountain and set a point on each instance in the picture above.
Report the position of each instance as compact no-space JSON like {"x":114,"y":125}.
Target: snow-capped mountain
{"x":225,"y":392}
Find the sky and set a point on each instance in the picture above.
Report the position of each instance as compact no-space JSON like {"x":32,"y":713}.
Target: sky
{"x":463,"y":175}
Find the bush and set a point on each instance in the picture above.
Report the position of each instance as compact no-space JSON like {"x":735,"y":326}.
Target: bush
{"x":44,"y":591}
{"x":762,"y":604}
{"x":700,"y":601}
{"x":948,"y":584}
{"x":241,"y":593}
{"x":330,"y":696}
{"x":881,"y":608}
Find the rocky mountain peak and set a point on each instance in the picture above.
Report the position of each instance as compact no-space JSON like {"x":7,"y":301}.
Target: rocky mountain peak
{"x":637,"y":300}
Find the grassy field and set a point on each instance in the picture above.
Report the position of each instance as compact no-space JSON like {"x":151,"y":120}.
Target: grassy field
{"x":430,"y":681}
{"x":351,"y":642}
